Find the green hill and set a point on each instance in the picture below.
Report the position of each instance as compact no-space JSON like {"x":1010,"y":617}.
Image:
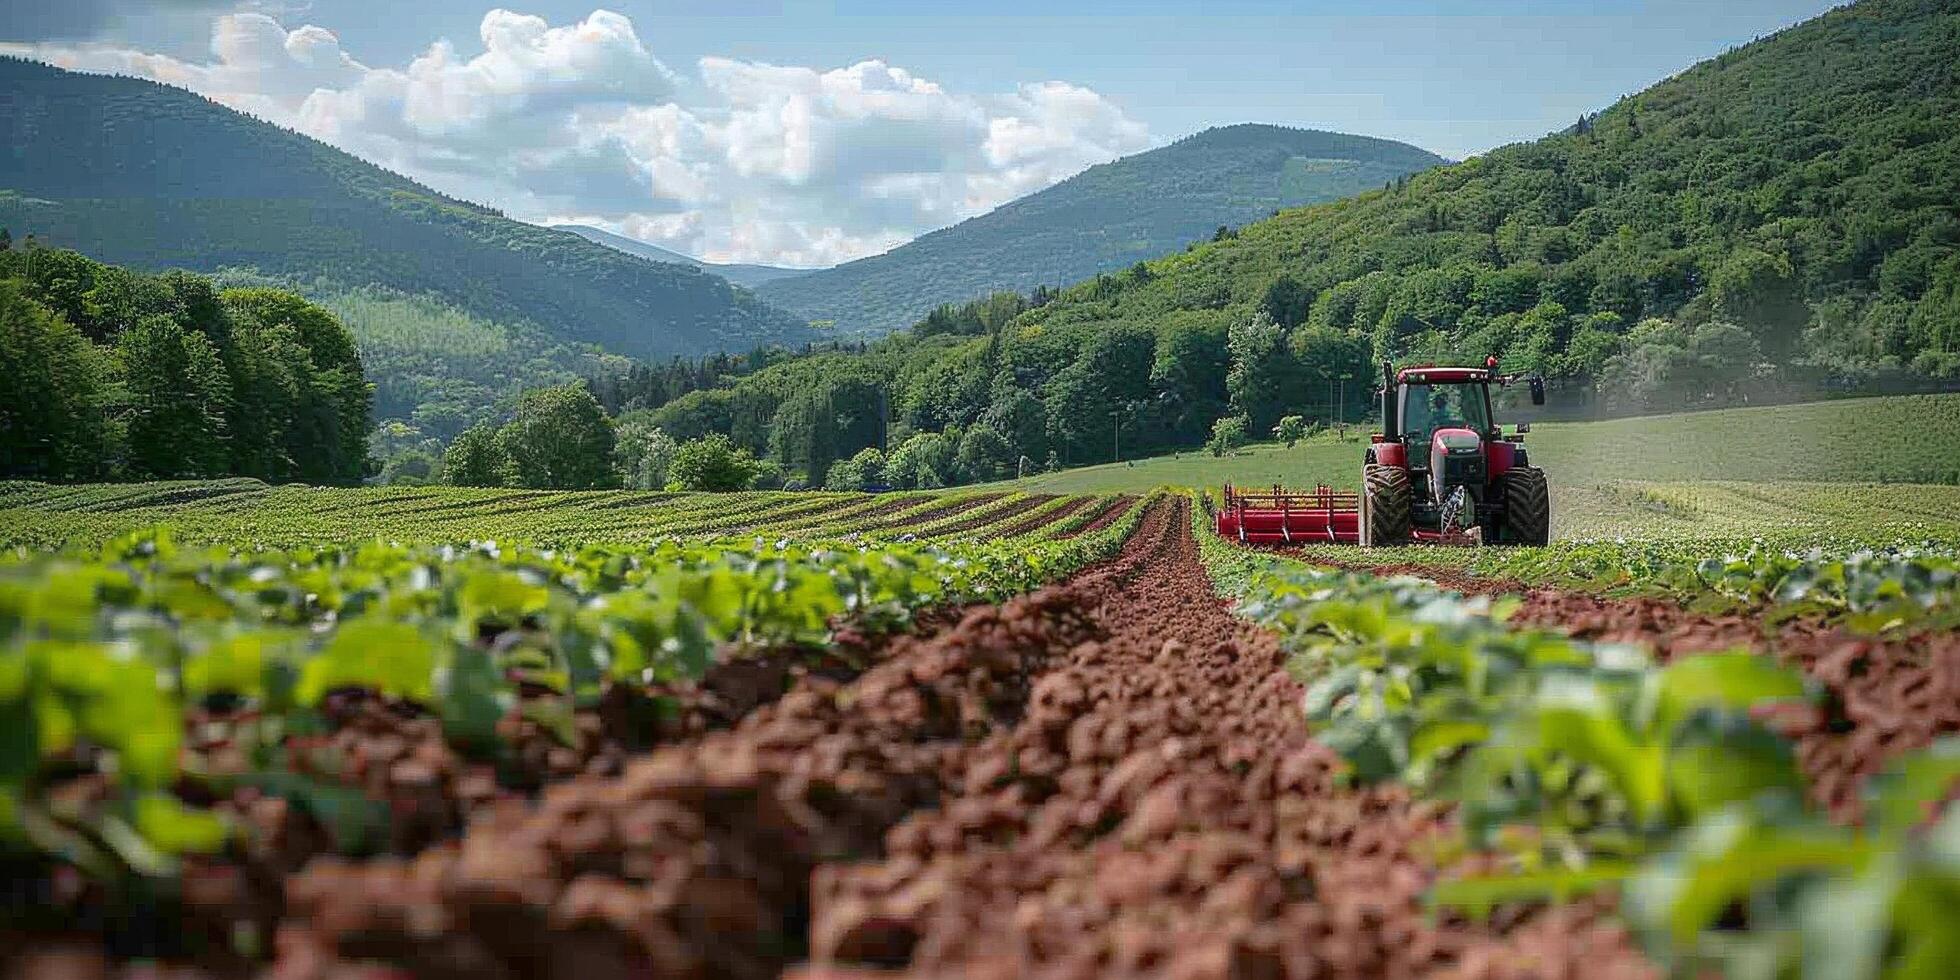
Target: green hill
{"x":738,"y":273}
{"x":1790,"y":202}
{"x":1101,"y":220}
{"x":140,"y":174}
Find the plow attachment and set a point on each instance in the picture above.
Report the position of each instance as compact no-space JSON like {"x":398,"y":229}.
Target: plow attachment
{"x":1322,"y":515}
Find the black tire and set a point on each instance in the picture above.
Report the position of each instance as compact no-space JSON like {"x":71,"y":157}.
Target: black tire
{"x":1384,"y":505}
{"x":1527,"y":507}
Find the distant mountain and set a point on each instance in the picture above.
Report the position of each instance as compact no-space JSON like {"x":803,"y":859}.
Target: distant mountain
{"x":735,"y":272}
{"x":136,"y":173}
{"x":1104,"y":219}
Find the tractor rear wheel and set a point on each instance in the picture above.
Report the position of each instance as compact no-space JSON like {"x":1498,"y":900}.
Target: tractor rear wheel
{"x":1527,"y":507}
{"x":1384,"y":505}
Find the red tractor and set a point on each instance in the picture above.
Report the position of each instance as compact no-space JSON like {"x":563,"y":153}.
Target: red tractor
{"x":1439,"y":471}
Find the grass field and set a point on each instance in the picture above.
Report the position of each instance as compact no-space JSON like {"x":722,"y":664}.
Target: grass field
{"x":1903,"y":439}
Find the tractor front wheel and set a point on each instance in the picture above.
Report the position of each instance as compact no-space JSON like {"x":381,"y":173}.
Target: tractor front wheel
{"x":1384,"y":505}
{"x":1527,"y":507}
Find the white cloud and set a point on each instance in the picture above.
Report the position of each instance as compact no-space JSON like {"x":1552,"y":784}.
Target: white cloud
{"x":743,"y":161}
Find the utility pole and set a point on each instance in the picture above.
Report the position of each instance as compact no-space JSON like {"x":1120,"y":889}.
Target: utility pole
{"x":1116,"y":432}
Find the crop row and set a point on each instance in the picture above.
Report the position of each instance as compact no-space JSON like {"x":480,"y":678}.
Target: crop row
{"x":144,"y":687}
{"x":36,"y":517}
{"x":1867,"y":584}
{"x":1578,"y":767}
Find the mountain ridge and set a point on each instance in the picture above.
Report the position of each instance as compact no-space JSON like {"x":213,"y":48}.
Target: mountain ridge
{"x":1104,"y":219}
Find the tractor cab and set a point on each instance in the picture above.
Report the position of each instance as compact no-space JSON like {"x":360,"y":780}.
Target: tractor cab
{"x":1435,"y":404}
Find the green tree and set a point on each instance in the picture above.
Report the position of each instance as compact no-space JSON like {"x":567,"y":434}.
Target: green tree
{"x":1227,"y":434}
{"x":560,"y":439}
{"x":1291,"y":430}
{"x":712,"y":462}
{"x":1286,"y":301}
{"x":410,"y":468}
{"x":176,"y":399}
{"x":52,"y":425}
{"x":1262,"y":370}
{"x":643,"y":452}
{"x":984,"y":455}
{"x":474,"y":458}
{"x":924,"y":462}
{"x":333,"y":404}
{"x":860,"y":472}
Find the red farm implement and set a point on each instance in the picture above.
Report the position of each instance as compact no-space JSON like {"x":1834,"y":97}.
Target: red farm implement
{"x":1280,"y":516}
{"x":1441,"y":471}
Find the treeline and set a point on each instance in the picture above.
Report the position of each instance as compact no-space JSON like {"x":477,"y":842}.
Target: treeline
{"x":938,"y":406}
{"x":113,"y":374}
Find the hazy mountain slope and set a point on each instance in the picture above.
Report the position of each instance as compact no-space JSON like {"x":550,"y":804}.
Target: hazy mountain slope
{"x":1801,"y":188}
{"x":1101,"y":220}
{"x":738,"y":273}
{"x":136,"y":173}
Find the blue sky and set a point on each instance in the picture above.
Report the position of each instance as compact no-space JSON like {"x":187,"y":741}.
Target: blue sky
{"x":1456,"y":78}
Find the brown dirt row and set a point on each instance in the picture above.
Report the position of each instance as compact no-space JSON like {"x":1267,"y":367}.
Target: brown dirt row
{"x":1110,"y":514}
{"x":396,"y":756}
{"x":696,"y":859}
{"x":1161,"y":810}
{"x":1038,"y":521}
{"x":1887,"y":695}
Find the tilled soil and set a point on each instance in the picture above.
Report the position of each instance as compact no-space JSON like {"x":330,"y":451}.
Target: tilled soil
{"x":1109,"y":777}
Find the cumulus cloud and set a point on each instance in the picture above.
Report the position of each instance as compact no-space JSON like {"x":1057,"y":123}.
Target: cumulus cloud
{"x":737,"y":161}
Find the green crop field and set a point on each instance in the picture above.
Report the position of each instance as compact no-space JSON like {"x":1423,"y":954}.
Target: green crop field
{"x":249,"y":514}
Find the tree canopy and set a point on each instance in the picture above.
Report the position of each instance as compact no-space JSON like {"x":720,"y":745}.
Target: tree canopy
{"x":116,"y":374}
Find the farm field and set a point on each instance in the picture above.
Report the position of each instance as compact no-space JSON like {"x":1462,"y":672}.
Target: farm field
{"x":228,"y":512}
{"x":733,"y":756}
{"x":314,"y":730}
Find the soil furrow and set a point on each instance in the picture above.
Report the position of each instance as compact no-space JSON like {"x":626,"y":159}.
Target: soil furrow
{"x":696,"y":859}
{"x":1160,"y":809}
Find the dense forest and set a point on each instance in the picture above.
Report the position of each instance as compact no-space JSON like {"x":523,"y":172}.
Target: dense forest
{"x":153,"y":177}
{"x":115,"y":374}
{"x":1104,"y":219}
{"x":1783,"y":214}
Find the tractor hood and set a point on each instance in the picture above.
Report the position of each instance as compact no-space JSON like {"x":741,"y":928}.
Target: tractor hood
{"x":1456,"y":459}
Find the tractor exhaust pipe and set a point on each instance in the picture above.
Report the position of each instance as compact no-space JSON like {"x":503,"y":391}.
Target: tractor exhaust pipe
{"x":1391,"y":429}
